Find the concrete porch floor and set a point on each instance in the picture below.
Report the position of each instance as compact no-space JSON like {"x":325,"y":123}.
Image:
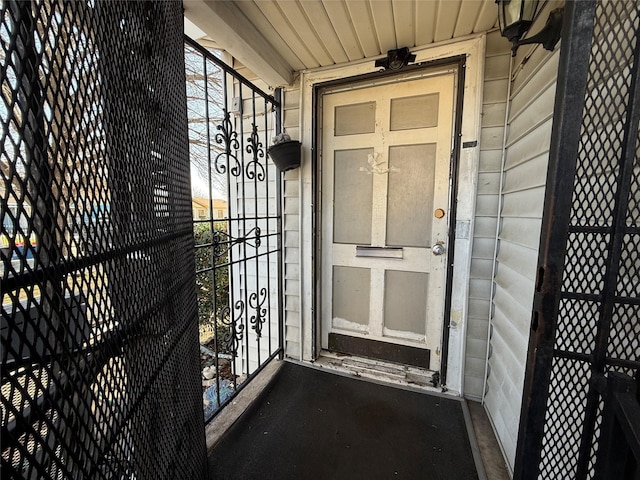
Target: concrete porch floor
{"x":311,"y":424}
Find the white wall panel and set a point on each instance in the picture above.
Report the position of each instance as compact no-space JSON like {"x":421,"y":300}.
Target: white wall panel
{"x":291,"y":230}
{"x":528,"y":139}
{"x":493,"y":110}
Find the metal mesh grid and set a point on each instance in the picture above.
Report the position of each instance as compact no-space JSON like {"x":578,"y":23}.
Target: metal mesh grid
{"x":561,"y":448}
{"x":577,"y":325}
{"x":598,"y":326}
{"x":99,"y":325}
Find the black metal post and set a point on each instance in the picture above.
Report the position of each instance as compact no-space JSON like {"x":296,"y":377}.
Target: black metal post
{"x":569,"y":101}
{"x":280,"y":199}
{"x":453,"y":175}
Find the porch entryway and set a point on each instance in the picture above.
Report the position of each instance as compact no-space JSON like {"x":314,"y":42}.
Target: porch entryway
{"x":311,"y":424}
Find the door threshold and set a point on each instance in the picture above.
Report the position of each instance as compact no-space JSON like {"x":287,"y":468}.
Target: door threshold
{"x":385,"y":351}
{"x":380,"y":371}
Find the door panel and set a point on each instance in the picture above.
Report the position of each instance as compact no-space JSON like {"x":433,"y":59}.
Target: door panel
{"x":408,"y":113}
{"x":355,"y":119}
{"x":352,"y":289}
{"x":410,"y":194}
{"x":353,"y":197}
{"x":385,"y":170}
{"x":405,"y":304}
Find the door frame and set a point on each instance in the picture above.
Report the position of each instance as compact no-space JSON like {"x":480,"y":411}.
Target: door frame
{"x":431,"y":69}
{"x":468,"y":55}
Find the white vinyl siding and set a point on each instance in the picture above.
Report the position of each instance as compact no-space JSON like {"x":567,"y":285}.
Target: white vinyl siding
{"x":291,"y":229}
{"x":530,"y":122}
{"x":494,"y":102}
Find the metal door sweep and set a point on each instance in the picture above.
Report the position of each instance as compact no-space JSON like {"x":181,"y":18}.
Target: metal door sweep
{"x":380,"y":252}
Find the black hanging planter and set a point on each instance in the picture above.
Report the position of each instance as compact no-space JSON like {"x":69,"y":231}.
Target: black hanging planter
{"x":286,"y":155}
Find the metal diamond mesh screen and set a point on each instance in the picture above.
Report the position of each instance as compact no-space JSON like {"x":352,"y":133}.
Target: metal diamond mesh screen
{"x":597,"y":325}
{"x":99,"y":344}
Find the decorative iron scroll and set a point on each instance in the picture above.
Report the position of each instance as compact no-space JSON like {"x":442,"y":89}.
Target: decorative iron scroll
{"x":257,"y":302}
{"x":223,"y":242}
{"x":234,"y":320}
{"x":228,"y":138}
{"x":255,"y":169}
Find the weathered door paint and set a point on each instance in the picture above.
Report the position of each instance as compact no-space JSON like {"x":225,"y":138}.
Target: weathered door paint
{"x":385,"y":197}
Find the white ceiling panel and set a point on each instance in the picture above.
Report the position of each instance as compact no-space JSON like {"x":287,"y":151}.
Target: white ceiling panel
{"x":426,"y":14}
{"x":404,"y":17}
{"x":488,"y":17}
{"x":343,"y":26}
{"x":446,"y":20}
{"x":467,"y":17}
{"x":290,"y":33}
{"x":382,"y":13}
{"x":303,"y":26}
{"x":365,"y":29}
{"x":261,"y":23}
{"x":323,"y":27}
{"x":312,"y":33}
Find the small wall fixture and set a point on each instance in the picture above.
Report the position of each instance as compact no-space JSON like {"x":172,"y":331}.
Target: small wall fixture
{"x":396,"y":59}
{"x":516,"y":17}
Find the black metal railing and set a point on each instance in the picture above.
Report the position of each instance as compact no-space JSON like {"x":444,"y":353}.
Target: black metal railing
{"x":98,"y":348}
{"x":237,"y":226}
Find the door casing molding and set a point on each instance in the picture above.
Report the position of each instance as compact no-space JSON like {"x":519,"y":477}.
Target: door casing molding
{"x":463,"y":197}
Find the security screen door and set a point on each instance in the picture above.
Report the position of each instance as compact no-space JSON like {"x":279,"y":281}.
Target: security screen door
{"x":385,"y":165}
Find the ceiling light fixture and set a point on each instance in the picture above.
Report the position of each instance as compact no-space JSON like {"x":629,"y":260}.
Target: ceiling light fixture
{"x":396,"y":59}
{"x":517,"y":16}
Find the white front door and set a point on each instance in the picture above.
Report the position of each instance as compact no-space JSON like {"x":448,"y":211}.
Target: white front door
{"x":385,"y":197}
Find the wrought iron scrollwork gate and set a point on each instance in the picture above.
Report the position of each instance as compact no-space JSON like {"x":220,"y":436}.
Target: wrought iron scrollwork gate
{"x":238,"y":244}
{"x":585,"y":330}
{"x":99,"y":350}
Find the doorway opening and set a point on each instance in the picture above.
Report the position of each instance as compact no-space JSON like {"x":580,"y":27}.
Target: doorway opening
{"x":386,"y":174}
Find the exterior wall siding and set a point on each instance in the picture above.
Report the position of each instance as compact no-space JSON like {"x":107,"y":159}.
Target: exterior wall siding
{"x":291,"y":230}
{"x":531,"y":106}
{"x":494,"y":103}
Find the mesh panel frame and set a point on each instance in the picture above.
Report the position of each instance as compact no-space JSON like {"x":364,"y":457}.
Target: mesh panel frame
{"x":100,"y":359}
{"x":585,"y":324}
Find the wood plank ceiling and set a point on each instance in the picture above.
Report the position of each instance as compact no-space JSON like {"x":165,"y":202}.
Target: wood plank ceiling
{"x":317,"y":33}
